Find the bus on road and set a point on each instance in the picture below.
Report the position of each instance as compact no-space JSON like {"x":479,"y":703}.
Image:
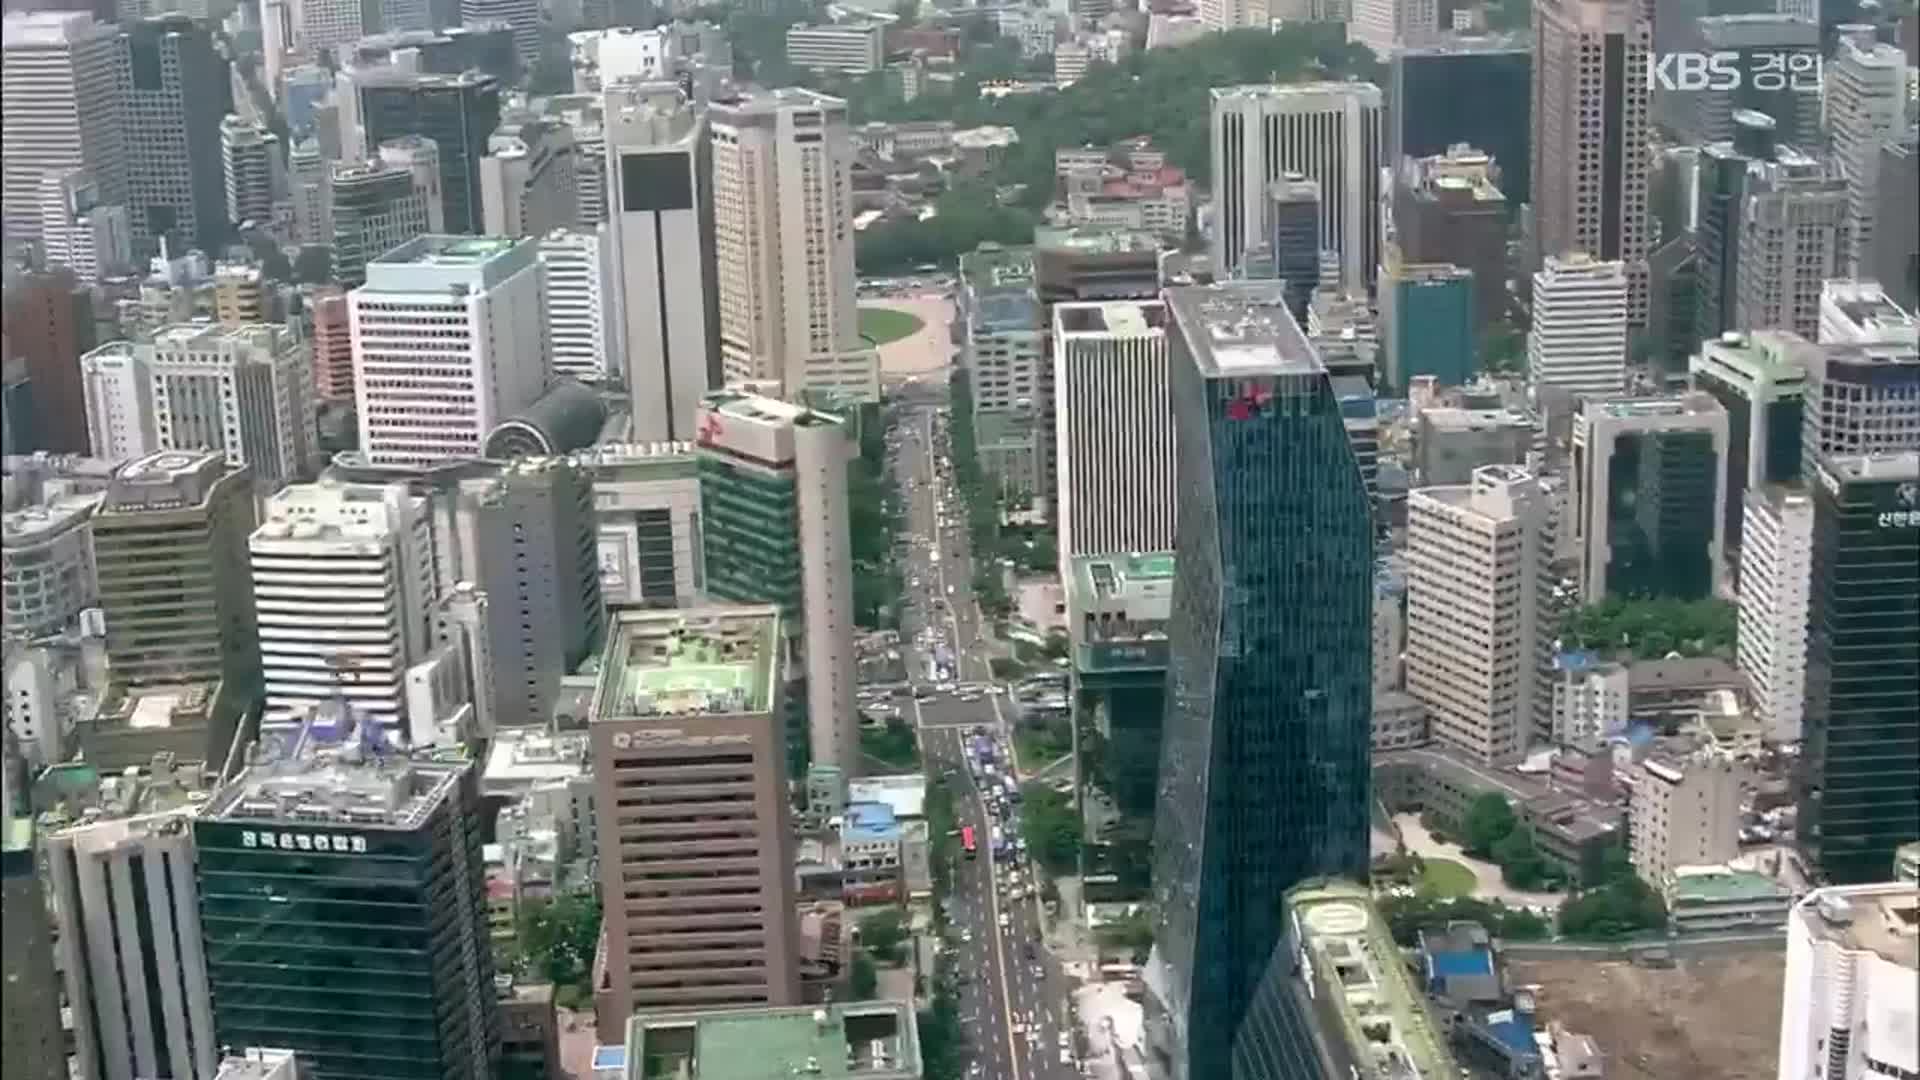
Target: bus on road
{"x":967,"y":841}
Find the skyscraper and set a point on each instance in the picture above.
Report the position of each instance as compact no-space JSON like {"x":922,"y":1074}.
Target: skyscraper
{"x":1427,"y":312}
{"x":1472,"y":90}
{"x":1115,"y":430}
{"x":1866,"y":94}
{"x":458,"y":112}
{"x":1381,"y":25}
{"x":178,"y":94}
{"x":487,"y":348}
{"x":1858,"y":787}
{"x":522,"y":15}
{"x":1649,"y":496}
{"x":1776,"y":560}
{"x":371,"y":209}
{"x":1753,"y":36}
{"x":63,"y":109}
{"x":1849,"y":957}
{"x":583,"y":326}
{"x":527,"y":182}
{"x":1590,"y":133}
{"x":1759,"y":379}
{"x":661,"y":221}
{"x":1861,"y":398}
{"x":1578,"y":340}
{"x":1327,"y":132}
{"x":1447,"y":208}
{"x":1268,"y":681}
{"x":1894,"y":258}
{"x":1792,"y":231}
{"x":1293,"y":226}
{"x":49,"y":324}
{"x":253,"y":169}
{"x":1726,"y":174}
{"x":80,"y":232}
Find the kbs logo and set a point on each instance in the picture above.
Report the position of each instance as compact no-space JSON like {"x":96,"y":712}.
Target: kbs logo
{"x":1724,"y":70}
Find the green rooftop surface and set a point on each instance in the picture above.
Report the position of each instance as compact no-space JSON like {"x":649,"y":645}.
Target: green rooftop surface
{"x":714,"y":660}
{"x":773,"y":1044}
{"x":1359,"y":969}
{"x":1110,"y":575}
{"x":1733,"y":885}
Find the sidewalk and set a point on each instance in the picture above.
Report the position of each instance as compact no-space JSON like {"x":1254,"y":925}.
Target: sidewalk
{"x":1487,"y":881}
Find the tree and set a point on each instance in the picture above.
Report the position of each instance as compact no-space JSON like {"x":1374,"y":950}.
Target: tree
{"x":1052,"y":825}
{"x":864,"y":981}
{"x":882,"y":933}
{"x":1520,"y":863}
{"x":1131,"y":933}
{"x":558,"y":939}
{"x":1489,"y":819}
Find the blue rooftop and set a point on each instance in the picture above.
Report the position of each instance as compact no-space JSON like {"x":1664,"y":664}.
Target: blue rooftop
{"x":869,"y":821}
{"x":1514,"y":1029}
{"x":609,"y":1057}
{"x":1575,"y":661}
{"x":1455,"y":964}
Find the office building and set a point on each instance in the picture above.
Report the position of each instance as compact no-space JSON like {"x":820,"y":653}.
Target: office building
{"x":1448,"y":208}
{"x":458,"y":112}
{"x":527,"y":181}
{"x":583,"y":329}
{"x":1790,"y":94}
{"x":79,"y":232}
{"x":1003,"y":349}
{"x":49,"y":325}
{"x":521,"y":16}
{"x":1727,"y":172}
{"x":1464,"y":90}
{"x":373,"y":208}
{"x":419,"y":157}
{"x":332,"y":345}
{"x":1118,"y":606}
{"x":30,"y":1027}
{"x":1293,"y":218}
{"x":1115,"y":431}
{"x":687,"y":708}
{"x":1858,"y":788}
{"x":253,"y":170}
{"x":310,"y":191}
{"x":1860,"y":399}
{"x":1578,"y":340}
{"x":1384,"y":25}
{"x":1475,"y":615}
{"x":1428,"y":313}
{"x":46,"y":562}
{"x":326,"y":24}
{"x":1649,"y":496}
{"x":1776,"y":566}
{"x":773,"y":488}
{"x":357,"y":637}
{"x":1760,"y":380}
{"x":1865,"y":90}
{"x":1450,"y":443}
{"x":1683,"y":811}
{"x":1855,"y":312}
{"x":527,"y":540}
{"x":293,"y":842}
{"x":647,"y":506}
{"x":1790,"y":243}
{"x":1327,"y":132}
{"x":783,"y":237}
{"x":1894,"y":257}
{"x":660,"y":216}
{"x":486,"y":345}
{"x":1851,"y":954}
{"x":63,"y":109}
{"x":179,"y":92}
{"x":1590,"y":186}
{"x":1283,"y":670}
{"x":244,"y":391}
{"x":848,"y":48}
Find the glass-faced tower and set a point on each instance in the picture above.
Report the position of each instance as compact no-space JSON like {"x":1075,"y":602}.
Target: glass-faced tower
{"x":1264,"y":779}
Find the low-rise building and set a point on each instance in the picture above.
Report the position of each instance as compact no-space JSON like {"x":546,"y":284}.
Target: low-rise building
{"x":1399,"y":720}
{"x":1719,"y":900}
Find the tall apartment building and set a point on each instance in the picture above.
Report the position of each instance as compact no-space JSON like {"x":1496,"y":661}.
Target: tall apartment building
{"x":1273,"y":688}
{"x":692,"y":784}
{"x":660,"y":214}
{"x":1328,"y":132}
{"x":177,"y":93}
{"x":62,"y":71}
{"x":1578,"y":340}
{"x":448,"y":341}
{"x":1475,"y":616}
{"x":1776,"y":565}
{"x":1866,"y":101}
{"x":292,"y":843}
{"x":1115,"y":428}
{"x":783,"y":238}
{"x":371,"y":546}
{"x":1760,"y":380}
{"x":253,"y":170}
{"x":1464,"y":90}
{"x":527,"y":540}
{"x":458,"y":112}
{"x":1851,"y":955}
{"x":49,"y":325}
{"x":79,"y":232}
{"x":1589,"y":145}
{"x":245,"y":391}
{"x":1683,"y":811}
{"x":851,"y":49}
{"x":583,"y":327}
{"x":1649,"y":514}
{"x":1447,"y":208}
{"x":332,"y":345}
{"x":527,"y":181}
{"x":1858,"y":788}
{"x":773,"y":487}
{"x":371,"y":209}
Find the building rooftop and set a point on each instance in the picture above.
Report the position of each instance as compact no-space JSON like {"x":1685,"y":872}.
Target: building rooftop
{"x":1242,"y":329}
{"x":992,"y":265}
{"x":905,"y":794}
{"x":330,"y":511}
{"x":1871,"y":315}
{"x":1446,"y":418}
{"x":869,"y":822}
{"x":1106,"y":580}
{"x":875,"y":1040}
{"x":1759,"y":356}
{"x":1721,"y":884}
{"x":1903,"y":465}
{"x":1113,"y":318}
{"x":1881,"y":919}
{"x":1095,"y":239}
{"x":1296,"y":91}
{"x":46,"y":521}
{"x":1638,"y":408}
{"x":1353,"y":959}
{"x":523,"y":757}
{"x":712,"y":660}
{"x":439,"y":262}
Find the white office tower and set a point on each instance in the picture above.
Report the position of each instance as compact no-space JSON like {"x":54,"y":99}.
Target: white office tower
{"x":62,"y":109}
{"x":783,"y":242}
{"x":418,"y":157}
{"x":1382,"y":25}
{"x":326,"y":24}
{"x":1578,"y":340}
{"x":1474,"y":562}
{"x":254,"y":170}
{"x":1860,"y":395}
{"x":1849,"y":1009}
{"x":589,"y":166}
{"x":343,"y":583}
{"x":1866,"y":95}
{"x":1861,"y":313}
{"x":1236,"y":14}
{"x":527,"y":181}
{"x":663,"y":256}
{"x":310,"y":188}
{"x":79,"y":232}
{"x":1776,"y":567}
{"x":126,"y":900}
{"x":1114,"y":429}
{"x":1328,"y":132}
{"x":245,"y":391}
{"x":850,"y":48}
{"x":523,"y":16}
{"x":582,"y":330}
{"x":449,"y":339}
{"x":276,"y":39}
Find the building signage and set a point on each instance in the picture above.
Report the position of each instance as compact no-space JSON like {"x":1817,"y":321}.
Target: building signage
{"x":289,"y":841}
{"x":1908,"y":496}
{"x":627,"y":740}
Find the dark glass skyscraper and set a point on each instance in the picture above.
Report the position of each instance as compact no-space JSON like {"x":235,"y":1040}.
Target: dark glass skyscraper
{"x":458,"y":112}
{"x":1859,"y":780}
{"x":1264,"y":779}
{"x":1472,"y":90}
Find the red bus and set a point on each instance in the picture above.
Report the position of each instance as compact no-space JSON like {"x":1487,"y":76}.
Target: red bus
{"x":967,"y":841}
